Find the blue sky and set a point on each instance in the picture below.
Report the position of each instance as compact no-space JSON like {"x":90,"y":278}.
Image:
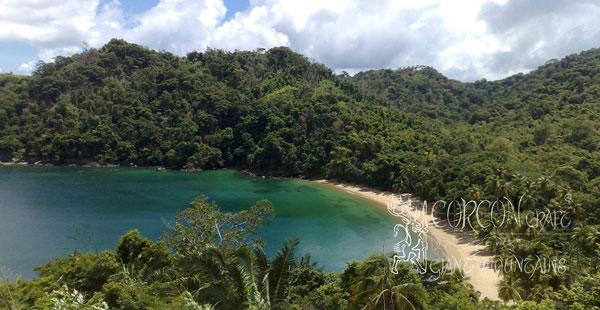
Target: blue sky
{"x":139,"y":6}
{"x":465,"y":40}
{"x":13,"y":54}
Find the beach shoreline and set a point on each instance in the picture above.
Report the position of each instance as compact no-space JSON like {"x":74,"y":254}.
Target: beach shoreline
{"x":459,"y":248}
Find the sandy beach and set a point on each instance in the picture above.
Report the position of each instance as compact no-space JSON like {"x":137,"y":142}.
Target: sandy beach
{"x":459,"y":248}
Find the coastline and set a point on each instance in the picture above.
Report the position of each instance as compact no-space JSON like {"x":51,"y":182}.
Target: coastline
{"x":41,"y":163}
{"x":459,"y":247}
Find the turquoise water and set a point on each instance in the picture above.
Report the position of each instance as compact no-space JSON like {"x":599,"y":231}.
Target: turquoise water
{"x":46,"y":212}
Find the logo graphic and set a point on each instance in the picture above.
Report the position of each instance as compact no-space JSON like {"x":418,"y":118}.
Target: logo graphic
{"x":413,"y":244}
{"x":404,"y":249}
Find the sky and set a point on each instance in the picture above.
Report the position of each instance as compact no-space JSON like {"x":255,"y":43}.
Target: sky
{"x":464,"y":39}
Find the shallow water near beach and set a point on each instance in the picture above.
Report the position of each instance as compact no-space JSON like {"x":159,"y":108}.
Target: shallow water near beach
{"x":48,"y":212}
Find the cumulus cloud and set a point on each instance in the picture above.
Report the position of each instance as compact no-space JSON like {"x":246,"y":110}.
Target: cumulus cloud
{"x":179,"y":26}
{"x":466,"y":40}
{"x":538,"y":30}
{"x":50,"y":26}
{"x":28,"y":67}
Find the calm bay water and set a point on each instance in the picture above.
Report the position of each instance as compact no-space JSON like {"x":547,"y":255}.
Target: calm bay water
{"x":47,"y":212}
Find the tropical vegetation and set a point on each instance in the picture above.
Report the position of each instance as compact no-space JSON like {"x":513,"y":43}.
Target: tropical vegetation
{"x":529,"y":137}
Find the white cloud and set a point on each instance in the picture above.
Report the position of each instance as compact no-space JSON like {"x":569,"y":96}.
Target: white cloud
{"x":46,"y":22}
{"x":466,"y":40}
{"x":248,"y":31}
{"x":179,"y":26}
{"x":28,"y":67}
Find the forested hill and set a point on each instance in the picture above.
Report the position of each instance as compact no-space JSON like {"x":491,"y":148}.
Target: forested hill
{"x":413,"y":130}
{"x":277,"y":112}
{"x":569,"y":84}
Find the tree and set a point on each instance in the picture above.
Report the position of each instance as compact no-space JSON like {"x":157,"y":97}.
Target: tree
{"x":542,"y":133}
{"x":203,"y":224}
{"x":240,"y":279}
{"x":378,"y":288}
{"x":510,"y":290}
{"x":141,"y":254}
{"x":67,"y":299}
{"x":500,"y":147}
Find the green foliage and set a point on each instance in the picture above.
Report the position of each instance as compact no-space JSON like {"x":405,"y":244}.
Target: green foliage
{"x":85,"y":273}
{"x":142,"y":255}
{"x":275,"y":112}
{"x":66,"y":299}
{"x":376,"y":287}
{"x":203,"y":224}
{"x":531,"y":305}
{"x":327,"y":296}
{"x":142,"y":274}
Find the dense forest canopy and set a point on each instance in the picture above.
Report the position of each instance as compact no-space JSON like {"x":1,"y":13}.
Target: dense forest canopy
{"x":412,"y":130}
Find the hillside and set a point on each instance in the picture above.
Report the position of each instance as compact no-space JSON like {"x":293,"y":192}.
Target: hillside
{"x":276,"y":112}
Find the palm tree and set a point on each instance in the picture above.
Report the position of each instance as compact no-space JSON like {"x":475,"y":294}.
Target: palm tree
{"x":531,"y":230}
{"x":241,"y":279}
{"x":278,"y":275}
{"x":215,"y":276}
{"x":545,"y":186}
{"x":380,"y":289}
{"x":474,"y":192}
{"x":586,"y":236}
{"x":510,"y":290}
{"x":498,"y":241}
{"x":253,"y":271}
